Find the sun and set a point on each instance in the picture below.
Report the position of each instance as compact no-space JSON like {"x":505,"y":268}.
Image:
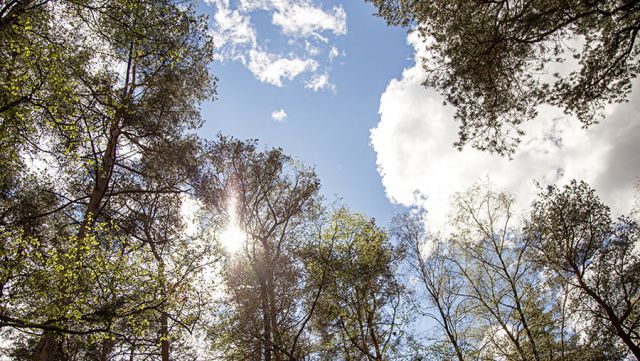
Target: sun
{"x":232,"y":238}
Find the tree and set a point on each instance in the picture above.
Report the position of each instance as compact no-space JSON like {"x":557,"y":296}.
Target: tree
{"x":360,"y":314}
{"x":275,"y":202}
{"x":489,"y":298}
{"x":38,"y":78}
{"x":427,"y":257}
{"x":574,"y":237}
{"x":491,"y":258}
{"x":114,"y":109}
{"x":487,"y":59}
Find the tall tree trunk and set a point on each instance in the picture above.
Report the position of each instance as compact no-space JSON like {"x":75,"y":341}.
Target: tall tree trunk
{"x":164,"y":333}
{"x":103,"y":177}
{"x":266,"y":324}
{"x":46,"y":347}
{"x":164,"y":317}
{"x":610,"y":314}
{"x":372,"y":333}
{"x":272,"y":312}
{"x":43,"y":350}
{"x":107,"y":346}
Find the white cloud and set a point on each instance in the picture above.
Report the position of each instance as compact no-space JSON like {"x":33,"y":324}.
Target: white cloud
{"x":311,"y":49}
{"x":414,"y":145}
{"x":231,"y":31}
{"x":303,"y":19}
{"x":333,"y":53}
{"x":300,"y":18}
{"x":269,"y":68}
{"x":307,"y":27}
{"x":279,"y":115}
{"x":253,"y":5}
{"x":320,"y":81}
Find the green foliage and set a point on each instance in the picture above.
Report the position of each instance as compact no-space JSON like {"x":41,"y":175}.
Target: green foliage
{"x":488,"y":58}
{"x":563,"y":287}
{"x":593,"y":257}
{"x":572,"y":226}
{"x":95,"y":92}
{"x":275,"y":202}
{"x":51,"y":284}
{"x":360,"y":311}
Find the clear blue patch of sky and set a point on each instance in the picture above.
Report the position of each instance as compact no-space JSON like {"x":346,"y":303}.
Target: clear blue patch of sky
{"x":326,"y":130}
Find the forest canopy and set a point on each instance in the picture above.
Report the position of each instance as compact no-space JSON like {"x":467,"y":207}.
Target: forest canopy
{"x":124,"y":234}
{"x":493,"y":61}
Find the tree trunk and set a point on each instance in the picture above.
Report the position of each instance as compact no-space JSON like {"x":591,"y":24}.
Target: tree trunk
{"x":103,"y":176}
{"x":107,"y":346}
{"x":372,"y":334}
{"x":610,"y":314}
{"x":44,"y":351}
{"x":164,"y":333}
{"x":273,"y":313}
{"x":266,"y":324}
{"x":46,"y":348}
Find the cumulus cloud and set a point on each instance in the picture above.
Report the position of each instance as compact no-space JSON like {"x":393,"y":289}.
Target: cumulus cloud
{"x":307,"y":25}
{"x":271,"y":69}
{"x":320,"y":81}
{"x":415,"y":154}
{"x":279,"y":115}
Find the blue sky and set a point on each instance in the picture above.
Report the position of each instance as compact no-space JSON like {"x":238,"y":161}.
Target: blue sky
{"x":339,"y":90}
{"x":326,"y":128}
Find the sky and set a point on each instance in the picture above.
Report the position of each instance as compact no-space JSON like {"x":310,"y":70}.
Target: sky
{"x":321,"y":113}
{"x":339,"y":90}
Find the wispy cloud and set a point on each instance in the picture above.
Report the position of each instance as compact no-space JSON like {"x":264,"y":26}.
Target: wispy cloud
{"x":320,"y":81}
{"x":333,"y":53}
{"x":308,"y":26}
{"x":279,"y":115}
{"x":231,"y":31}
{"x":303,"y":19}
{"x":272,"y":69}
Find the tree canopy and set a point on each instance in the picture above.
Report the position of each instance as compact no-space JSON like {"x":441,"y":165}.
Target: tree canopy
{"x":125,"y":235}
{"x":559,"y":285}
{"x":492,"y":60}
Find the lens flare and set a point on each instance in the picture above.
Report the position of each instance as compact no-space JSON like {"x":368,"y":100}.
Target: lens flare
{"x":233,"y":237}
